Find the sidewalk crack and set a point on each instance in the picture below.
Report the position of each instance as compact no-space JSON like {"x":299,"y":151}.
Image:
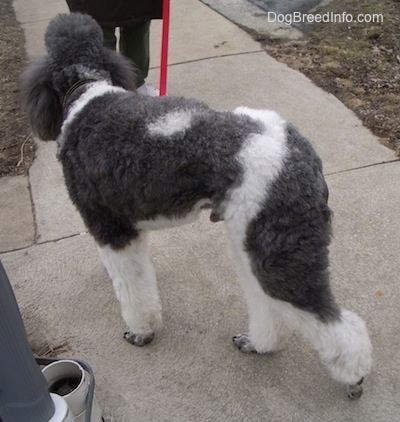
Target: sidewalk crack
{"x":362,"y":167}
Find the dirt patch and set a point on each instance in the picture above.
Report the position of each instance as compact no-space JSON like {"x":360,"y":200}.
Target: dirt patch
{"x":359,"y":63}
{"x":47,"y":350}
{"x":17,"y":149}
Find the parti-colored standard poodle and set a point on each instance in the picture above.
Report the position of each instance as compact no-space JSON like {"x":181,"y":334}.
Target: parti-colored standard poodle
{"x":134,"y":163}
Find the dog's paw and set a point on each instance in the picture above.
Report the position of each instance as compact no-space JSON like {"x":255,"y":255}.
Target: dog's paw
{"x":139,"y":340}
{"x":355,"y":391}
{"x":243,"y":343}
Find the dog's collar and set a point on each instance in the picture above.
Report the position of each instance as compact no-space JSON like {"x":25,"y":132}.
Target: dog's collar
{"x":76,"y":86}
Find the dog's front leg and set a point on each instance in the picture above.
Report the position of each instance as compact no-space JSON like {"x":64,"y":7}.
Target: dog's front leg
{"x":135,"y":285}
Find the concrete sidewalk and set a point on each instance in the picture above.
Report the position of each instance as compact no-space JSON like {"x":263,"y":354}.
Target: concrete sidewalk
{"x":192,"y":372}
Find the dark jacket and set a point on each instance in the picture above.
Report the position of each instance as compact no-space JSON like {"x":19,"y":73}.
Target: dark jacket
{"x":118,"y":13}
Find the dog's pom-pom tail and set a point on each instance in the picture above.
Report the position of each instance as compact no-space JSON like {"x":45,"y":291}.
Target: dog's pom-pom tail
{"x":41,"y":101}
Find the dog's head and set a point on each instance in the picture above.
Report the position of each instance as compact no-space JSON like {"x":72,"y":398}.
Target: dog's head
{"x":74,"y":45}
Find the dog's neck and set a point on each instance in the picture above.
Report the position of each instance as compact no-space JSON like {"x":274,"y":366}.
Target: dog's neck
{"x":74,"y":87}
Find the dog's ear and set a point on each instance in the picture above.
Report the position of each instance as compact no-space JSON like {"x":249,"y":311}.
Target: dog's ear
{"x":41,"y":101}
{"x":122,"y":70}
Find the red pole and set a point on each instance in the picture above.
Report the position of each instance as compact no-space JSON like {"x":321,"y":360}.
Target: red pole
{"x":164,"y":47}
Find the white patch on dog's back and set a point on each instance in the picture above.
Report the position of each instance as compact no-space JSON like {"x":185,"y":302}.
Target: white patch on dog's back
{"x":171,"y":123}
{"x":262,"y":157}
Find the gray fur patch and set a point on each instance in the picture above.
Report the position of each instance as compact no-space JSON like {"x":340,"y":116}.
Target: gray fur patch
{"x":288,"y":240}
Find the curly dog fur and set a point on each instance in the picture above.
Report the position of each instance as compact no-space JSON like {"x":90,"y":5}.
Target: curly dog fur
{"x":134,"y":163}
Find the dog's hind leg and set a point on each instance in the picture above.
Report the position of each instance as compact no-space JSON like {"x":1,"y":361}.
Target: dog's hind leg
{"x":135,"y":285}
{"x":342,"y":343}
{"x":340,"y":337}
{"x":268,"y":331}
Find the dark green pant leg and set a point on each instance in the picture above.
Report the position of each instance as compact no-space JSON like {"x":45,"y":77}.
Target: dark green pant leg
{"x":109,"y":38}
{"x":135,"y":45}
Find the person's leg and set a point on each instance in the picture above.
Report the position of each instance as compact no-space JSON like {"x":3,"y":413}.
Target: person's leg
{"x":110,"y":40}
{"x":135,"y":45}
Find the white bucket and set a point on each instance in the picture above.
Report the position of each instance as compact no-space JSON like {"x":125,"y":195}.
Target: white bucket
{"x":69,"y":380}
{"x":62,"y":412}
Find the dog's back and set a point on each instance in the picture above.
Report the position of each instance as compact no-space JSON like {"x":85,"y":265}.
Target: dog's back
{"x":146,"y":158}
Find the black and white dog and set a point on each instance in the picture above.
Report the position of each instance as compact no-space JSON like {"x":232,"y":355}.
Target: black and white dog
{"x":134,"y":163}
